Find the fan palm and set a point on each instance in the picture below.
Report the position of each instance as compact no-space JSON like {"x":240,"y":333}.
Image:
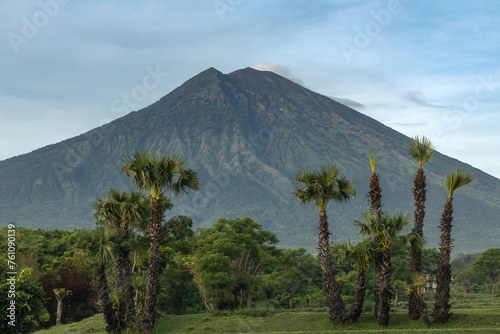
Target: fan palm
{"x":442,"y":307}
{"x":157,"y":174}
{"x":362,"y":254}
{"x":387,"y":230}
{"x":322,"y":186}
{"x":122,"y":210}
{"x":99,"y":245}
{"x":420,"y":149}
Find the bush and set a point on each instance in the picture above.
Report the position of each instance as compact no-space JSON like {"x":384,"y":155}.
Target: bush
{"x":368,"y":306}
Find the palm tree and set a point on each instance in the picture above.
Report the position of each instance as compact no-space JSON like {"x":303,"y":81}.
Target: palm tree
{"x":387,"y":230}
{"x":322,"y":186}
{"x":420,"y":149}
{"x":375,"y":196}
{"x":122,"y":210}
{"x":362,"y":254}
{"x":99,"y":245}
{"x":157,"y":174}
{"x":442,"y":307}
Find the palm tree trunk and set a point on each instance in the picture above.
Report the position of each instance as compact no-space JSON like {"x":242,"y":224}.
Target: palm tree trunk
{"x":359,"y":298}
{"x":378,"y":268}
{"x":384,"y":288}
{"x":119,"y":284}
{"x":128,"y":290}
{"x":128,"y":294}
{"x":107,"y":306}
{"x":442,"y":306}
{"x":419,"y":193}
{"x":330,"y":289}
{"x":375,"y":195}
{"x":148,"y":313}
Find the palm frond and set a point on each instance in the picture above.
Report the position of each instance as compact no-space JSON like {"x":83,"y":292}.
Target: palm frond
{"x":420,"y":149}
{"x":156,"y":173}
{"x":372,"y":162}
{"x":456,"y":180}
{"x":323,"y":185}
{"x":385,"y":228}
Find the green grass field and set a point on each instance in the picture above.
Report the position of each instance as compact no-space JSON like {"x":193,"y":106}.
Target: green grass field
{"x":475,"y":314}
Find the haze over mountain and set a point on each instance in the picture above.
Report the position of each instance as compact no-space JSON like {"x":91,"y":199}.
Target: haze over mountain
{"x":246,"y":133}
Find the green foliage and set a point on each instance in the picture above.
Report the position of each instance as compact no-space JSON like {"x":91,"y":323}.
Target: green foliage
{"x":47,"y":245}
{"x":28,"y":312}
{"x":324,"y":185}
{"x":121,"y":210}
{"x":456,"y":180}
{"x":420,"y":149}
{"x":74,"y":272}
{"x":155,"y":173}
{"x":387,"y":229}
{"x":98,"y":243}
{"x":487,"y":265}
{"x":229,"y":258}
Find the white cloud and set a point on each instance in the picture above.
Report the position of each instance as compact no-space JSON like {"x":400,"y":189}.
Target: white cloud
{"x":282,"y":70}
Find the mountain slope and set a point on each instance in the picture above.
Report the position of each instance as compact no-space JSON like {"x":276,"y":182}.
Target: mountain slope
{"x":246,"y":133}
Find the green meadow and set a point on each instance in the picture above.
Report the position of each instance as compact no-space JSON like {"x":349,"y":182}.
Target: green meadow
{"x":476,"y":313}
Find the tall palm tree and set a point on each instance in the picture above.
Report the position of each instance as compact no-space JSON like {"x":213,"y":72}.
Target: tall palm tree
{"x":157,"y":174}
{"x":387,"y":230}
{"x":122,"y":210}
{"x":442,"y":307}
{"x":322,"y":186}
{"x":420,"y":149}
{"x":99,"y":245}
{"x":362,"y":254}
{"x":375,"y":196}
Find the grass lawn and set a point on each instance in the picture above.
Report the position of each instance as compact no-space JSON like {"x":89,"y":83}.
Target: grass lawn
{"x":475,"y":314}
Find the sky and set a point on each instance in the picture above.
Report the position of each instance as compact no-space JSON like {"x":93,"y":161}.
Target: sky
{"x":426,"y":68}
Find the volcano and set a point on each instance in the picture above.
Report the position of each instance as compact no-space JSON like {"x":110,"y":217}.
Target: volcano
{"x":246,"y":133}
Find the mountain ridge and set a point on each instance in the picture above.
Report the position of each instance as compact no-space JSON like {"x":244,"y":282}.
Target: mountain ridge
{"x":246,"y":133}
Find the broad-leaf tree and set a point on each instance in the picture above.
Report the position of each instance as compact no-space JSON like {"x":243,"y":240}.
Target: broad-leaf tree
{"x":157,"y":174}
{"x":228,"y":259}
{"x":442,"y":306}
{"x":488,"y":265}
{"x":420,"y":149}
{"x":322,"y":186}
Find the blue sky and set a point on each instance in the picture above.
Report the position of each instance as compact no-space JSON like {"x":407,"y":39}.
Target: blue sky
{"x":421,"y":67}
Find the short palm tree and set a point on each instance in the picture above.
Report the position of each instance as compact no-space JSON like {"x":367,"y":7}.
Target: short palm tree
{"x":99,"y":245}
{"x":361,"y":254}
{"x":122,"y":211}
{"x":322,"y":186}
{"x":442,"y":307}
{"x":387,"y":230}
{"x":420,"y":149}
{"x":157,"y":174}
